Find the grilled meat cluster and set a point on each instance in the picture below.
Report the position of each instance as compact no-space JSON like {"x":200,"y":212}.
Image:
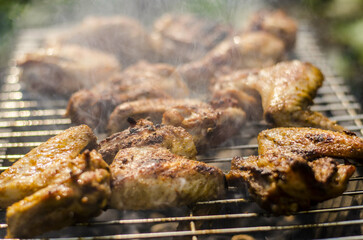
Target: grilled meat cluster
{"x":295,"y":167}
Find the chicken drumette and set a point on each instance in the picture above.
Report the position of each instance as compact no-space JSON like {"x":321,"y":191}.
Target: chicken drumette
{"x":295,"y":167}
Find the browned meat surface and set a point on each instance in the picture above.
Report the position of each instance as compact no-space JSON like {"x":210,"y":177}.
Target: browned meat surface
{"x":275,"y":22}
{"x":47,"y":164}
{"x":153,"y":109}
{"x":124,"y":37}
{"x":286,"y":90}
{"x":81,"y":195}
{"x":144,"y":133}
{"x":311,"y":143}
{"x":294,"y":168}
{"x":244,"y":51}
{"x":152,"y":177}
{"x":208,"y":126}
{"x":183,"y":38}
{"x":66,"y":69}
{"x":141,"y":81}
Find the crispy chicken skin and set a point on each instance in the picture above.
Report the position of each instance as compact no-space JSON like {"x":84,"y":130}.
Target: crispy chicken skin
{"x":209,"y":126}
{"x":275,"y":22}
{"x":294,"y":168}
{"x":80,"y":196}
{"x":46,"y":164}
{"x":151,"y":177}
{"x":153,"y":109}
{"x":144,"y":133}
{"x":124,"y":37}
{"x":183,"y":38}
{"x":244,"y":51}
{"x":66,"y":69}
{"x":140,"y":81}
{"x":286,"y":91}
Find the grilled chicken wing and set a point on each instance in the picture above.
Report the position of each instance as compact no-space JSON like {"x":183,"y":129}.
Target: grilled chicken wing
{"x":66,"y":69}
{"x":124,"y":37}
{"x":183,"y":38}
{"x":141,"y":81}
{"x":294,"y":168}
{"x":275,"y":22}
{"x":144,"y":133}
{"x":153,"y":109}
{"x":286,"y":90}
{"x":248,"y":50}
{"x":152,"y":177}
{"x":208,"y":126}
{"x":46,"y":164}
{"x":81,"y":195}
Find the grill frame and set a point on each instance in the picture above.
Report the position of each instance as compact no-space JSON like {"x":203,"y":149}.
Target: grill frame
{"x":26,"y":121}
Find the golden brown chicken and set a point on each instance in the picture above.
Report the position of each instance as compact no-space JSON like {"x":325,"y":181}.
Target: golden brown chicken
{"x":66,"y":69}
{"x":286,"y":91}
{"x":82,"y":194}
{"x":295,"y":167}
{"x":144,"y":133}
{"x":153,"y":109}
{"x":183,"y":38}
{"x":140,"y":81}
{"x":47,"y":164}
{"x":152,"y":177}
{"x":124,"y":37}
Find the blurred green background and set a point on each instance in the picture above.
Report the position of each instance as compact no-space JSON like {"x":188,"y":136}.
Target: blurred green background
{"x":339,"y":23}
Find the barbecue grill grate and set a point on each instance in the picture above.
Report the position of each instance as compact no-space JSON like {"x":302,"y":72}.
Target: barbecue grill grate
{"x":27,"y":120}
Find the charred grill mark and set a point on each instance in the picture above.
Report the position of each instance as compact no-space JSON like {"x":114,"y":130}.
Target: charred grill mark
{"x":132,"y":121}
{"x":319,"y":138}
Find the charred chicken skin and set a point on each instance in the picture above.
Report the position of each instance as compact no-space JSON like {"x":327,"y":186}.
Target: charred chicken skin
{"x":47,"y":164}
{"x":151,"y":177}
{"x":144,"y":133}
{"x":66,"y":69}
{"x":295,"y":167}
{"x":79,"y":196}
{"x":286,"y":91}
{"x":140,"y":81}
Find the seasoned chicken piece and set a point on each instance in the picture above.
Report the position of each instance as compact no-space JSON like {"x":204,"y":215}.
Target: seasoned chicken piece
{"x":286,"y":90}
{"x":81,"y":195}
{"x":183,"y":38}
{"x":286,"y":183}
{"x":64,"y":70}
{"x":47,"y":164}
{"x":141,"y":81}
{"x":152,"y":177}
{"x":153,"y":109}
{"x":144,"y":133}
{"x":244,"y":51}
{"x":294,"y":168}
{"x":275,"y":22}
{"x":208,"y":126}
{"x":124,"y":37}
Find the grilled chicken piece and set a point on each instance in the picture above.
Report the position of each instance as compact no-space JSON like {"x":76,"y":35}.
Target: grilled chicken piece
{"x":82,"y":194}
{"x":286,"y":90}
{"x":208,"y":126}
{"x":144,"y":133}
{"x":64,"y":70}
{"x":141,"y":81}
{"x":275,"y":22}
{"x":153,"y":109}
{"x":244,"y":51}
{"x":124,"y":37}
{"x":294,"y":168}
{"x":152,"y":177}
{"x":183,"y":38}
{"x":47,"y":164}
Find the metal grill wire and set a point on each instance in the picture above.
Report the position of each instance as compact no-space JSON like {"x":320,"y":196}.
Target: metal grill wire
{"x":26,"y":121}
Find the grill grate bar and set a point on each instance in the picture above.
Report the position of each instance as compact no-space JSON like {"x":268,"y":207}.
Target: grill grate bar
{"x":28,"y":123}
{"x":32,"y":113}
{"x":29,"y":133}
